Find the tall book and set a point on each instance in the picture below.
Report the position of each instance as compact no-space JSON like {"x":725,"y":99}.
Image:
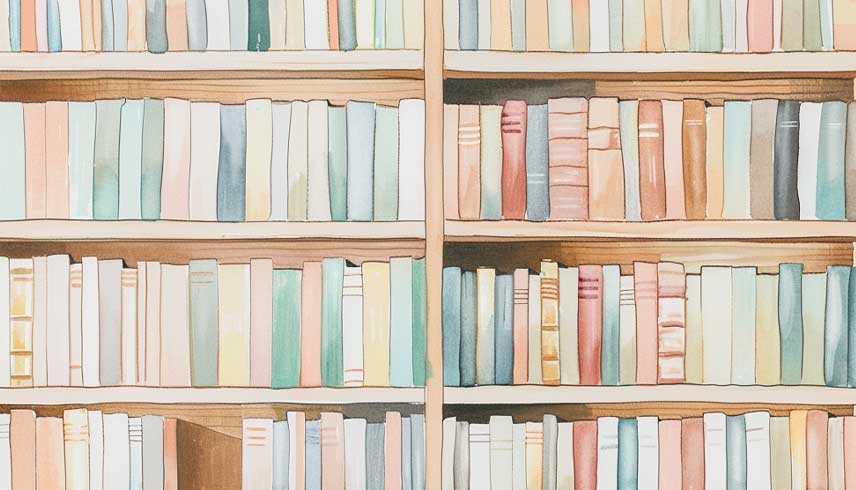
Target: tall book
{"x":318,"y":175}
{"x":694,"y":362}
{"x":50,"y":461}
{"x":450,"y":158}
{"x":110,"y":308}
{"x":503,"y":330}
{"x":814,"y":321}
{"x":715,"y":163}
{"x":76,"y":441}
{"x":513,"y":124}
{"x":491,"y":162}
{"x":153,"y":449}
{"x":520,"y":326}
{"x":550,"y":362}
{"x":176,"y":160}
{"x":14,"y":165}
{"x":261,"y":319}
{"x":670,"y":450}
{"x":386,"y":164}
{"x":758,"y":449}
{"x":257,"y":453}
{"x":580,"y":25}
{"x":671,"y":323}
{"x":469,"y":315}
{"x":485,"y":326}
{"x":501,"y":462}
{"x":311,"y":310}
{"x":600,"y":27}
{"x":175,"y":329}
{"x":786,"y":158}
{"x":233,"y":365}
{"x":58,"y":320}
{"x":536,"y":28}
{"x":352,"y":326}
{"x":232,"y":168}
{"x":129,"y":356}
{"x":646,"y":299}
{"x":452,"y":326}
{"x":716,"y":313}
{"x":117,"y":448}
{"x":628,"y":453}
{"x":203,"y":322}
{"x":376,"y":323}
{"x":534,"y":449}
{"x":258,"y":159}
{"x":831,"y":201}
{"x":537,"y":163}
{"x":297,"y":162}
{"x":337,"y":141}
{"x":654,"y":26}
{"x":585,"y":453}
{"x":768,"y":365}
{"x":153,"y":324}
{"x":835,"y":351}
{"x":743,"y":336}
{"x":534,"y":374}
{"x":737,"y":149}
{"x":135,"y":439}
{"x":817,"y":442}
{"x":568,"y":168}
{"x":611,"y":341}
{"x":627,"y":332}
{"x":692,"y":453}
{"x":648,"y":451}
{"x":56,"y":160}
{"x":297,"y":449}
{"x":693,"y":146}
{"x":672,"y":159}
{"x":607,"y":451}
{"x":807,"y":160}
{"x":629,"y":132}
{"x":715,"y":450}
{"x":762,"y":156}
{"x":95,"y":419}
{"x":285,"y":351}
{"x":676,"y":25}
{"x":606,"y":172}
{"x":652,"y":180}
{"x":401,"y":320}
{"x":469,"y":163}
{"x":130,"y":159}
{"x":569,"y":349}
{"x":411,"y":125}
{"x":591,"y":291}
{"x":332,"y":450}
{"x":735,"y":447}
{"x":791,"y":322}
{"x":355,"y":449}
{"x":361,"y":127}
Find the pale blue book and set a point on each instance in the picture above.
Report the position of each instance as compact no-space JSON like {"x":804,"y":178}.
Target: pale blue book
{"x":135,"y":446}
{"x":401,"y":321}
{"x":537,"y":164}
{"x":197,"y":30}
{"x":735,"y":449}
{"x":204,"y":318}
{"x":280,"y":455}
{"x":518,"y":25}
{"x":361,"y":131}
{"x":831,"y":200}
{"x":374,"y":456}
{"x":616,"y":26}
{"x":560,"y":25}
{"x":503,"y":318}
{"x":468,"y":24}
{"x":452,"y":326}
{"x":628,"y":454}
{"x":156,"y":38}
{"x":790,"y":322}
{"x":15,"y":25}
{"x":106,"y":165}
{"x":705,"y":26}
{"x":469,"y":305}
{"x":406,"y":461}
{"x":609,"y":360}
{"x":120,"y":25}
{"x":851,"y":329}
{"x":313,"y":455}
{"x":743,"y":325}
{"x":737,"y":143}
{"x":232,"y":170}
{"x":347,"y":25}
{"x":13,"y":165}
{"x":385,"y":193}
{"x":826,"y":24}
{"x":107,"y":25}
{"x":131,"y":159}
{"x":417,"y":451}
{"x":239,"y":24}
{"x":54,"y":33}
{"x":152,"y":172}
{"x":281,"y":115}
{"x":835,"y":337}
{"x":81,"y":152}
{"x":628,"y":111}
{"x":380,"y":24}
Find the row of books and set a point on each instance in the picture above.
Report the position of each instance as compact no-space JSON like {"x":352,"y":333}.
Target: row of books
{"x":334,"y":453}
{"x":598,"y":26}
{"x":806,"y":449}
{"x":158,"y":26}
{"x":644,"y":160}
{"x":591,"y":325}
{"x":99,"y":323}
{"x":87,"y":450}
{"x":180,"y":160}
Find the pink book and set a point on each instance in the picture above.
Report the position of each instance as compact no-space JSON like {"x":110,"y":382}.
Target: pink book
{"x":520,"y":327}
{"x":310,"y":325}
{"x":567,"y":131}
{"x":513,"y":127}
{"x":50,"y":454}
{"x":645,"y":295}
{"x":692,"y":453}
{"x":816,"y":449}
{"x":673,"y":154}
{"x":56,"y":160}
{"x":759,"y":24}
{"x":22,"y":440}
{"x":590,"y":323}
{"x":176,"y":25}
{"x":849,"y":452}
{"x":670,"y":451}
{"x":332,"y":451}
{"x":469,"y":162}
{"x":297,"y":444}
{"x":392,"y":452}
{"x":175,"y":191}
{"x":261,"y":321}
{"x":35,"y":171}
{"x":585,"y":455}
{"x":170,"y":455}
{"x":671,"y":322}
{"x":175,"y":327}
{"x":450,"y":161}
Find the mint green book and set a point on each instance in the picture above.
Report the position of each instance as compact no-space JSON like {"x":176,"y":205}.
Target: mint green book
{"x":812,"y":37}
{"x":203,"y":322}
{"x":791,"y":322}
{"x":333,"y":274}
{"x":13,"y":164}
{"x":792,"y":25}
{"x":361,"y":150}
{"x":81,"y":152}
{"x":285,"y":361}
{"x":491,"y":162}
{"x":106,"y":166}
{"x":628,"y":454}
{"x":737,"y":145}
{"x":616,"y":25}
{"x":560,"y":27}
{"x":386,"y":164}
{"x":419,"y":322}
{"x":826,"y":24}
{"x":152,"y":165}
{"x":705,"y":26}
{"x":401,"y":321}
{"x":380,"y":24}
{"x":610,"y":340}
{"x":814,"y":320}
{"x":743,"y":325}
{"x":337,"y":168}
{"x":835,"y":341}
{"x":831,"y":199}
{"x":130,"y":159}
{"x":735,"y":450}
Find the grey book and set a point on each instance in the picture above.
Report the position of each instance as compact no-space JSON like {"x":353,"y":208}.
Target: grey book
{"x":468,"y":24}
{"x":156,"y":39}
{"x":204,"y":315}
{"x":461,"y":466}
{"x":735,"y":446}
{"x":107,"y":25}
{"x":785,"y":157}
{"x":406,"y":461}
{"x":280,"y":455}
{"x":347,"y":25}
{"x":313,"y":455}
{"x":197,"y":30}
{"x":361,"y":132}
{"x":108,"y":114}
{"x":469,"y":298}
{"x":110,"y":319}
{"x":232,"y":172}
{"x":374,"y":456}
{"x":537,"y":164}
{"x":153,"y":452}
{"x":120,"y":25}
{"x":550,"y":462}
{"x":503,"y":323}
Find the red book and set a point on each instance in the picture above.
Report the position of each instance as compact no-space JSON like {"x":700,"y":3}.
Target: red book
{"x":333,"y":23}
{"x":816,"y":455}
{"x":759,"y":24}
{"x":652,"y":173}
{"x":692,"y":454}
{"x":520,"y":373}
{"x":645,"y":294}
{"x":567,"y":131}
{"x":585,"y":455}
{"x":513,"y":126}
{"x":590,"y":323}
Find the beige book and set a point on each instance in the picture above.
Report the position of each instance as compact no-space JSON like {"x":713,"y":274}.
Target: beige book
{"x":768,"y":366}
{"x":715,"y":162}
{"x":175,"y":325}
{"x":317,"y":179}
{"x":298,"y":161}
{"x":129,"y":326}
{"x":75,"y":325}
{"x":58,"y":314}
{"x":294,"y":38}
{"x":259,"y":149}
{"x":153,"y":321}
{"x":500,"y":25}
{"x":376,"y":324}
{"x":75,"y":427}
{"x":142,"y":287}
{"x":21,"y":312}
{"x":234,"y":324}
{"x":550,"y":365}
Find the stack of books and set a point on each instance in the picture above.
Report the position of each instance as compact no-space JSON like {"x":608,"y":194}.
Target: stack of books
{"x":334,"y":452}
{"x":591,"y":325}
{"x":158,"y":26}
{"x":647,"y":160}
{"x":173,"y":159}
{"x":98,"y":323}
{"x":87,"y":449}
{"x":597,"y":26}
{"x":807,"y":449}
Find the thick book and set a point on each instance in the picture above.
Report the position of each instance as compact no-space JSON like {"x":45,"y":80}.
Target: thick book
{"x":175,"y":328}
{"x":233,"y":366}
{"x":469,"y":314}
{"x":386,"y":164}
{"x":361,"y":127}
{"x":673,"y":112}
{"x":469,"y":162}
{"x":605,"y":166}
{"x":116,"y":450}
{"x":785,"y":161}
{"x":76,"y":447}
{"x":503,"y":329}
{"x":452,"y":326}
{"x":549,"y":338}
{"x":626,"y":331}
{"x":259,"y":131}
{"x":203,"y":322}
{"x":743,"y":328}
{"x":817,"y":449}
{"x":798,"y":429}
{"x":311,"y":310}
{"x":491,"y":162}
{"x":813,"y":321}
{"x":768,"y":369}
{"x":671,"y":323}
{"x":715,"y":163}
{"x":716,"y":312}
{"x":646,"y":299}
{"x":831,"y":200}
{"x":537,"y":163}
{"x":285,"y":352}
{"x":569,"y":350}
{"x":485,"y":326}
{"x":401,"y":321}
{"x":693,"y":147}
{"x":629,"y":134}
{"x":652,"y":180}
{"x":568,"y":159}
{"x":791,"y":322}
{"x":500,"y":26}
{"x":106,"y":162}
{"x":514,"y":129}
{"x":676,"y":25}
{"x":258,"y":26}
{"x":376,"y":323}
{"x":692,"y":453}
{"x":232,"y":168}
{"x":590,"y":291}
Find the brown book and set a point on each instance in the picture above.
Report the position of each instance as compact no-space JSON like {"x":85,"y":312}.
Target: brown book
{"x":693,"y":146}
{"x":513,"y":125}
{"x":652,"y":173}
{"x":605,"y":165}
{"x":209,"y":459}
{"x":568,"y":149}
{"x":580,"y":22}
{"x":761,"y":158}
{"x":469,"y":162}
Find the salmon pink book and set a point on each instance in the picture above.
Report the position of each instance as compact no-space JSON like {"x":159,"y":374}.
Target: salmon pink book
{"x":513,"y":126}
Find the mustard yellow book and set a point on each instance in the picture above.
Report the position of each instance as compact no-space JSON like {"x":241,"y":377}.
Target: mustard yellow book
{"x":21,"y":322}
{"x":75,"y":429}
{"x":550,"y":365}
{"x":259,"y":149}
{"x":376,"y":304}
{"x":767,"y":342}
{"x":233,"y":361}
{"x":798,"y":450}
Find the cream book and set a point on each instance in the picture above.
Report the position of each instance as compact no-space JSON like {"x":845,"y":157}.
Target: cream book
{"x":129,"y":327}
{"x":352,"y":326}
{"x":21,"y":323}
{"x":5,"y":321}
{"x":259,"y":148}
{"x":569,"y":278}
{"x":75,"y":425}
{"x":40,"y":321}
{"x":564,"y":454}
{"x":257,"y":454}
{"x":58,"y":269}
{"x":153,"y":323}
{"x":175,"y":326}
{"x":501,"y":462}
{"x":117,"y":451}
{"x":716,"y":324}
{"x":75,"y":322}
{"x":411,"y":160}
{"x":758,"y":450}
{"x":95,"y":421}
{"x":376,"y":323}
{"x":234,"y":324}
{"x":318,"y":207}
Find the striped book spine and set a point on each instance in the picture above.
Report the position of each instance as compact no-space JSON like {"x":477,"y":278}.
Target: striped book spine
{"x":590,"y":293}
{"x":605,"y":165}
{"x":568,"y":150}
{"x":521,"y":326}
{"x":645,"y":296}
{"x":671,"y":321}
{"x":550,"y":365}
{"x":469,"y":162}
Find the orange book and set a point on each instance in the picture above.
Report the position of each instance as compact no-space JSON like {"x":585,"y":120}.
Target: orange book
{"x":56,"y":160}
{"x":645,"y":295}
{"x":22,"y":440}
{"x":568,"y":148}
{"x":670,"y":452}
{"x":759,"y":25}
{"x":692,"y":453}
{"x":693,"y":148}
{"x":28,"y":26}
{"x":654,"y":26}
{"x":310,"y":325}
{"x":34,"y":146}
{"x":652,"y":173}
{"x":392,"y":452}
{"x":580,"y":9}
{"x":87,"y":37}
{"x":605,"y":165}
{"x":450,"y":162}
{"x":513,"y":126}
{"x":816,"y":449}
{"x":673,"y":114}
{"x":332,"y":451}
{"x":585,"y":455}
{"x":333,"y":23}
{"x":671,"y":322}
{"x":590,"y":292}
{"x":50,"y":454}
{"x":520,"y":327}
{"x":176,"y":24}
{"x":469,"y":162}
{"x":849,"y":451}
{"x":170,"y":455}
{"x":537,"y":33}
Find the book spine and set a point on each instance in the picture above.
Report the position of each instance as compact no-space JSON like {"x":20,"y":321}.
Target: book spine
{"x":469,"y":164}
{"x":12,"y":132}
{"x":485,"y":326}
{"x":175,"y":312}
{"x":813,"y":301}
{"x":693,"y":146}
{"x":692,"y":453}
{"x":116,"y":450}
{"x":534,"y":448}
{"x":311,"y":311}
{"x":468,"y":15}
{"x":175,"y":200}
{"x":401,"y":321}
{"x":386,"y":170}
{"x":671,"y":323}
{"x":520,"y":327}
{"x":580,"y":25}
{"x":627,"y":332}
{"x":500,"y":25}
{"x":333,"y":24}
{"x":759,"y":24}
{"x":504,"y":335}
{"x":332,"y":451}
{"x":337,"y":141}
{"x":259,"y":131}
{"x":365,"y":16}
{"x":135,"y":442}
{"x":6,"y":322}
{"x":767,"y":346}
{"x":585,"y":453}
{"x":652,"y":180}
{"x":786,"y":157}
{"x":484,"y":24}
{"x":729,"y":25}
{"x":501,"y":462}
{"x":737,"y":149}
{"x":831,"y":201}
{"x":152,"y":159}
{"x":534,"y":375}
{"x":57,"y":301}
{"x":392,"y":450}
{"x":514,"y":119}
{"x":450,"y":161}
{"x":633,"y":33}
{"x":654,"y":41}
{"x":715,"y":165}
{"x":130,"y":159}
{"x":537,"y":163}
{"x":849,"y":442}
{"x":469,"y":315}
{"x":791,"y":322}
{"x":550,"y":462}
{"x":817,"y":455}
{"x":81,"y":147}
{"x":628,"y":456}
{"x":285,"y":356}
{"x":569,"y":350}
{"x":136,"y":25}
{"x":34,"y":149}
{"x":835,"y":453}
{"x":110,"y":307}
{"x":607,"y":449}
{"x":96,"y":449}
{"x":376,"y":323}
{"x":645,"y":297}
{"x":50,"y":464}
{"x":518,"y":25}
{"x":258,"y":26}
{"x":694,"y":361}
{"x":280,"y":454}
{"x":257,"y":453}
{"x":347,"y":26}
{"x":850,"y":163}
{"x":673,"y":160}
{"x":835,"y":342}
{"x":807,"y":160}
{"x":355,"y":449}
{"x":599,"y":27}
{"x":76,"y":446}
{"x":153,"y":450}
{"x":568,"y":167}
{"x":129,"y":327}
{"x":452,"y":326}
{"x":812,"y":26}
{"x":479,"y":457}
{"x":297,"y":200}
{"x":715,"y":450}
{"x":761,"y":165}
{"x":842,"y":23}
{"x":361,"y":127}
{"x":313,"y":454}
{"x":743,"y":293}
{"x":232,"y":168}
{"x":417,"y":451}
{"x":56,"y":160}
{"x":451,"y":25}
{"x":153,"y":321}
{"x":716,"y":312}
{"x":142,"y":320}
{"x":204,"y":160}
{"x":420,"y":320}
{"x":591,"y":292}
{"x":297,"y":449}
{"x":318,"y":179}
{"x":670,"y":453}
{"x":352,"y":329}
{"x":735,"y":447}
{"x":550,"y":362}
{"x":605,"y":167}
{"x":758,"y":449}
{"x":560,"y":27}
{"x":648,"y":451}
{"x":234,"y":324}
{"x":491,"y":162}
{"x":628,"y":127}
{"x":676,"y":25}
{"x":261,"y":321}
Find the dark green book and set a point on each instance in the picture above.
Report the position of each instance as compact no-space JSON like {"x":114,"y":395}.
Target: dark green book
{"x":628,"y":454}
{"x":452,"y":326}
{"x":258,"y":26}
{"x":105,"y":205}
{"x":337,"y":168}
{"x":285,"y":362}
{"x":419,"y":321}
{"x":203,"y":322}
{"x":152,"y":159}
{"x":790,"y":322}
{"x":469,"y":298}
{"x":333,"y":273}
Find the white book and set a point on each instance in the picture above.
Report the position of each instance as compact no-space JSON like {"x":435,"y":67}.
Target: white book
{"x":5,"y":453}
{"x":279,"y":162}
{"x":259,"y":149}
{"x":238,"y":25}
{"x":462,"y":455}
{"x":450,"y":24}
{"x":807,"y":159}
{"x":257,"y":454}
{"x":607,"y":453}
{"x":298,"y":160}
{"x":96,"y":448}
{"x":142,"y":287}
{"x":365,"y":17}
{"x":315,"y":32}
{"x":569,"y":280}
{"x":598,"y":26}
{"x":129,"y":327}
{"x":394,"y":25}
{"x":135,"y":443}
{"x":535,"y":330}
{"x":355,"y":451}
{"x":715,"y":452}
{"x":297,"y":438}
{"x":479,"y":456}
{"x":758,"y":450}
{"x":447,"y":459}
{"x":626,"y":331}
{"x":648,"y":442}
{"x":827,"y":28}
{"x":484,"y":24}
{"x":501,"y":460}
{"x":716,"y":324}
{"x":741,"y":33}
{"x":40,"y":321}
{"x":518,"y":456}
{"x":5,"y":39}
{"x":5,"y":333}
{"x":729,"y":33}
{"x":834,"y":451}
{"x":153,"y":315}
{"x":777,"y":25}
{"x":57,"y":320}
{"x":204,"y":160}
{"x":90,"y":323}
{"x":69,"y":25}
{"x":117,"y":457}
{"x":217,"y":24}
{"x":318,"y":181}
{"x":75,"y":324}
{"x":175,"y":334}
{"x":277,"y":12}
{"x":560,"y":26}
{"x":411,"y":158}
{"x":352,"y":326}
{"x":565,"y":454}
{"x":693,"y":358}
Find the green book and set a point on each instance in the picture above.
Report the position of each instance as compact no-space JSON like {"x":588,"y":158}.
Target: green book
{"x":812,"y":37}
{"x":203,"y":322}
{"x":814,"y":319}
{"x":337,"y":167}
{"x":705,"y":26}
{"x":792,"y":25}
{"x":333,"y":274}
{"x":743,"y":281}
{"x":831,"y":200}
{"x":106,"y":166}
{"x":258,"y":23}
{"x":835,"y":339}
{"x":452,"y":326}
{"x":285,"y":362}
{"x":628,"y":454}
{"x":152,"y":159}
{"x":419,"y":322}
{"x":790,"y":322}
{"x":386,"y":164}
{"x":610,"y":350}
{"x":130,"y":159}
{"x":401,"y":321}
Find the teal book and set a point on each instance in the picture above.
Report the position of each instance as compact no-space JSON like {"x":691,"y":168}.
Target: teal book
{"x":285,"y":361}
{"x":835,"y":337}
{"x":107,"y":25}
{"x":120,"y":25}
{"x":790,"y":322}
{"x":537,"y":164}
{"x":616,"y":26}
{"x":851,"y":330}
{"x":831,"y":200}
{"x":503,"y":318}
{"x":417,"y":451}
{"x":419,"y":322}
{"x":705,"y":26}
{"x":361,"y":150}
{"x":468,"y":24}
{"x":333,"y":275}
{"x":232,"y":170}
{"x":406,"y":461}
{"x":258,"y":25}
{"x":204,"y":313}
{"x":401,"y":321}
{"x":347,"y":25}
{"x":375,"y":456}
{"x":737,"y":141}
{"x":281,"y":438}
{"x":380,"y":24}
{"x":106,"y":166}
{"x":337,"y":170}
{"x":609,"y":366}
{"x":197,"y":28}
{"x":743,"y":281}
{"x":81,"y":151}
{"x":452,"y":326}
{"x":628,"y":454}
{"x":54,"y":34}
{"x":518,"y":25}
{"x":469,"y":305}
{"x":385,"y":192}
{"x":13,"y":165}
{"x":312,"y":456}
{"x":15,"y":25}
{"x":152,"y":159}
{"x":156,"y":39}
{"x":131,"y":159}
{"x":735,"y":449}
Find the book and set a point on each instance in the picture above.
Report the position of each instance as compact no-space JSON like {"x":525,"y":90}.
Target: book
{"x":491,"y":162}
{"x":176,"y":160}
{"x":12,"y":129}
{"x":452,"y":326}
{"x":628,"y":128}
{"x":153,"y":449}
{"x":549,"y":338}
{"x":762,"y":162}
{"x":56,"y":160}
{"x":693,"y":364}
{"x":116,"y":450}
{"x":257,"y":453}
{"x":786,"y":158}
{"x":585,"y":452}
{"x":450,"y":157}
{"x":835,"y":351}
{"x":485,"y":326}
{"x":591,"y":291}
{"x":654,"y":41}
{"x":606,"y":173}
{"x":285,"y":353}
{"x":469,"y":315}
{"x":813,"y":321}
{"x":514,"y":129}
{"x":692,"y":453}
{"x":332,"y":450}
{"x":297,"y":449}
{"x":233,"y":365}
{"x":259,"y":130}
{"x":580,"y":25}
{"x":798,"y":421}
{"x":501,"y":462}
{"x":311,"y":310}
{"x":767,"y":343}
{"x":735,"y":447}
{"x":715,"y":450}
{"x":503,"y":329}
{"x":298,"y":162}
{"x":96,"y":448}
{"x":392,"y":448}
{"x":537,"y":163}
{"x":715,"y":163}
{"x":281,"y":114}
{"x":627,"y":331}
{"x":520,"y":327}
{"x":110,"y":308}
{"x":717,"y":326}
{"x":693,"y":147}
{"x":175,"y":318}
{"x":58,"y":320}
{"x":850,"y":162}
{"x":737,"y":150}
{"x":411,"y":113}
{"x":534,"y":449}
{"x":652,"y":193}
{"x":361,"y":127}
{"x":129,"y":329}
{"x":317,"y":177}
{"x":355,"y":449}
{"x":672,"y":159}
{"x":352,"y":329}
{"x":676,"y":25}
{"x":376,"y":323}
{"x":401,"y":320}
{"x":203,"y":322}
{"x":569,"y":349}
{"x":135,"y":443}
{"x":232,"y":168}
{"x":633,"y":33}
{"x":610,"y":344}
{"x":743,"y":333}
{"x":669,"y":451}
{"x":758,"y":468}
{"x":648,"y":451}
{"x":534,"y":355}
{"x":337,"y":140}
{"x":469,"y":164}
{"x":760,"y":26}
{"x":831,"y":200}
{"x":600,"y":28}
{"x":835,"y":453}
{"x":607,"y":451}
{"x":628,"y":454}
{"x":671,"y":323}
{"x":386,"y":171}
{"x":261,"y":318}
{"x":568,"y":167}
{"x":153,"y":321}
{"x":807,"y":166}
{"x":646,"y":300}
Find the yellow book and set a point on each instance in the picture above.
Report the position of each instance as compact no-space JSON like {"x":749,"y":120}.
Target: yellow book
{"x":259,"y":149}
{"x":534,"y":447}
{"x":234,"y":325}
{"x":550,"y":366}
{"x":714,"y":159}
{"x":21,"y":321}
{"x":500,"y":25}
{"x":768,"y":367}
{"x":75,"y":429}
{"x":376,"y":303}
{"x":485,"y":326}
{"x":798,"y":450}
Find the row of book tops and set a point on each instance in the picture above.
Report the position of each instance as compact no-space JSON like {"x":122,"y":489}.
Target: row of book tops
{"x":591,"y":325}
{"x":99,"y":323}
{"x":645,"y":160}
{"x":158,"y":26}
{"x":334,"y":452}
{"x":806,"y":449}
{"x":181,"y":160}
{"x":600,"y":26}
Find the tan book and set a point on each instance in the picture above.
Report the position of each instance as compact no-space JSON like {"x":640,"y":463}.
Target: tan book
{"x":21,"y":322}
{"x":715,"y":162}
{"x":580,"y":22}
{"x":550,"y":365}
{"x":693,"y":146}
{"x":136,"y":25}
{"x":605,"y":164}
{"x":500,"y":25}
{"x":75,"y":333}
{"x":259,"y":149}
{"x":129,"y":327}
{"x":537,"y":33}
{"x":50,"y":458}
{"x":654,"y":26}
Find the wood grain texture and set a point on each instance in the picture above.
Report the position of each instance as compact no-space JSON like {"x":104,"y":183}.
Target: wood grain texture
{"x":207,"y":458}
